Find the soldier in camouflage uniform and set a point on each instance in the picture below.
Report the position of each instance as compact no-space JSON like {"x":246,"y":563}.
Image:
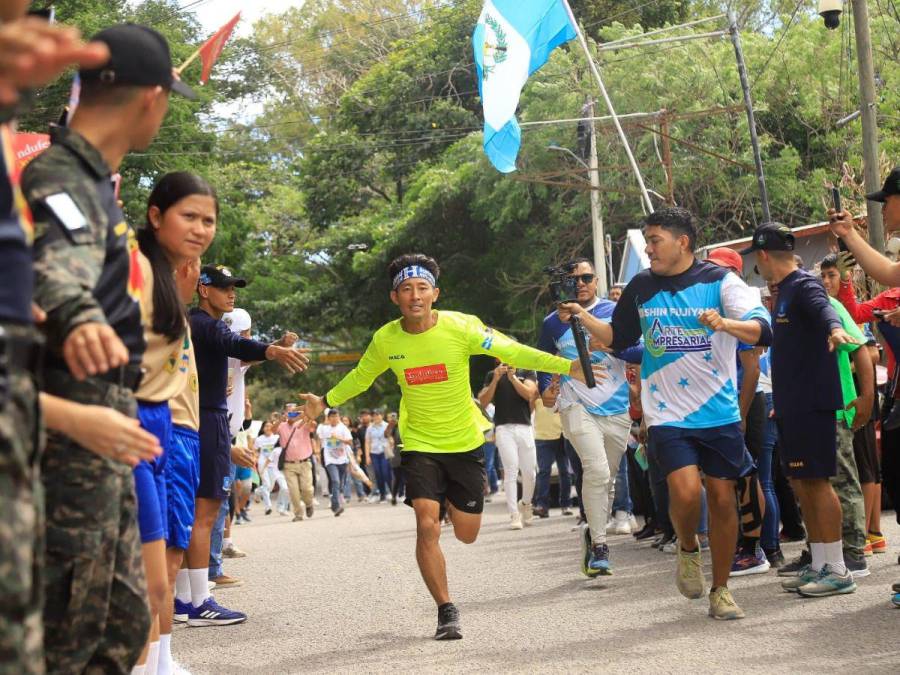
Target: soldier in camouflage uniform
{"x":88,"y":282}
{"x":849,"y":491}
{"x":21,"y":528}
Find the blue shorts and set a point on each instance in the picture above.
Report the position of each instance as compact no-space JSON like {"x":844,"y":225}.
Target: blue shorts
{"x":720,"y":452}
{"x":182,"y":478}
{"x":243,"y":473}
{"x":215,"y":455}
{"x":807,"y":443}
{"x":149,"y":478}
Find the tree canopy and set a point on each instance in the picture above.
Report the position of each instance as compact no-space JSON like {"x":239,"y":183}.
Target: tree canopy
{"x":367,"y":144}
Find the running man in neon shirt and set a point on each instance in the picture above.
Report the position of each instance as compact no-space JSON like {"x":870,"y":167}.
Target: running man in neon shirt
{"x":441,"y":426}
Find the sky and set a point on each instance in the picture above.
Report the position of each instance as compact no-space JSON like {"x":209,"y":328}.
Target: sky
{"x":212,"y":14}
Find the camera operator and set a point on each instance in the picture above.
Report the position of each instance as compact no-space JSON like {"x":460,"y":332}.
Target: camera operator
{"x":594,"y":420}
{"x":513,"y":393}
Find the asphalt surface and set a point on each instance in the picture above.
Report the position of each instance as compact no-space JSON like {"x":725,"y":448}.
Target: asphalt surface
{"x":344,"y":594}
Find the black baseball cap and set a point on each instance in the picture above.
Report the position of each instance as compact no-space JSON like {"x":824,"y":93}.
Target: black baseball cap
{"x":891,"y":187}
{"x":139,"y":56}
{"x":220,"y":277}
{"x":771,"y":237}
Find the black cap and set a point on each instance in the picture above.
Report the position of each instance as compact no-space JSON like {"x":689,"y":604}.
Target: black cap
{"x":891,"y":187}
{"x":771,"y":237}
{"x":220,"y":277}
{"x":139,"y":56}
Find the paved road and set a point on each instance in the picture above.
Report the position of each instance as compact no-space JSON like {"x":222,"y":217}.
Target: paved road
{"x":343,"y":594}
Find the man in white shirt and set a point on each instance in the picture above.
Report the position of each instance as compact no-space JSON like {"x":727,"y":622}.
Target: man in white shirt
{"x":376,"y":444}
{"x":335,"y":437}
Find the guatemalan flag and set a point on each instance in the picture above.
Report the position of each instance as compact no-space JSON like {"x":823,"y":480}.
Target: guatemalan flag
{"x":512,"y":40}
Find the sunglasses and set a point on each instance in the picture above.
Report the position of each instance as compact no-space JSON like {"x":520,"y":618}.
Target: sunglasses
{"x":583,"y":278}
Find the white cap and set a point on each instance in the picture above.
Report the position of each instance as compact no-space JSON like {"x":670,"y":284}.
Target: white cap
{"x":238,"y":320}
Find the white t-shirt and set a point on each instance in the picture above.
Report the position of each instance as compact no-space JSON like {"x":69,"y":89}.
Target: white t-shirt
{"x":235,"y":402}
{"x":265,"y":445}
{"x":334,"y":440}
{"x":375,"y":436}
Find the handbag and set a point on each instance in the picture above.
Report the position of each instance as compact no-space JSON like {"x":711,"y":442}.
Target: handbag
{"x":285,"y":449}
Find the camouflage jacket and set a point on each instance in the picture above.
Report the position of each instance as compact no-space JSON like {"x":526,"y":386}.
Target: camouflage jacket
{"x":86,"y":267}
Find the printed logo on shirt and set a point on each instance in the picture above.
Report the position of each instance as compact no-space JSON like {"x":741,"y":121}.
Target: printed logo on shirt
{"x":659,"y":339}
{"x":426,"y":375}
{"x":396,"y":357}
{"x":488,"y":339}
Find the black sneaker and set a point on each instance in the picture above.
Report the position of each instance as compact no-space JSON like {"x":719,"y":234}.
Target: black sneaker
{"x":309,"y":511}
{"x":339,"y":511}
{"x":541,"y":511}
{"x":793,"y":568}
{"x":775,"y":558}
{"x":268,"y":512}
{"x":646,"y":533}
{"x":663,"y":540}
{"x":448,"y":623}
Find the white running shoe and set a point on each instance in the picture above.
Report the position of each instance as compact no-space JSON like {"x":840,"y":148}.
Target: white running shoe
{"x":515,"y":521}
{"x":611,"y":525}
{"x":633,"y":523}
{"x":622,"y":525}
{"x":527,"y":513}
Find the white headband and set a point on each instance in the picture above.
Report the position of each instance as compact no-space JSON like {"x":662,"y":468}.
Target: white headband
{"x":414,"y":272}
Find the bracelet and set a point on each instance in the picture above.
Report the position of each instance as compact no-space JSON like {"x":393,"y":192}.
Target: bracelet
{"x":325,"y":401}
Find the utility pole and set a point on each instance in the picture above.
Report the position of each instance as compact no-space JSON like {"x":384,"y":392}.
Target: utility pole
{"x":596,"y":216}
{"x":869,"y":124}
{"x":667,"y":157}
{"x":751,"y":118}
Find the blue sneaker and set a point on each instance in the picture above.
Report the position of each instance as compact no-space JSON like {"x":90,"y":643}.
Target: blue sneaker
{"x":827,"y":583}
{"x":182,"y":609}
{"x":586,"y":545}
{"x":599,"y":562}
{"x":896,"y":599}
{"x":211,"y":613}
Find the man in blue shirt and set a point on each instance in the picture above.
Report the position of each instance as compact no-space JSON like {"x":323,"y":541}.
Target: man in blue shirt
{"x":806,"y":390}
{"x":691,"y":315}
{"x":595,"y":421}
{"x":213,"y":344}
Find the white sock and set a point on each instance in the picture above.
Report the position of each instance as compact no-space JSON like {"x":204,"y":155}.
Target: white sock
{"x":138,"y":670}
{"x":183,"y":586}
{"x":153,"y":658}
{"x":834,"y":556}
{"x":199,"y":585}
{"x":226,"y":542}
{"x":164,"y":667}
{"x":817,"y":550}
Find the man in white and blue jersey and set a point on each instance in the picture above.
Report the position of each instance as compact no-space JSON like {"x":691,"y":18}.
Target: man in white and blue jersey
{"x":691,"y":315}
{"x":595,"y":421}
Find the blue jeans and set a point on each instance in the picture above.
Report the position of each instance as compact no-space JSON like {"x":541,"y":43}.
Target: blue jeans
{"x":622,"y":500}
{"x":217,"y":536}
{"x":547,"y":453}
{"x":490,"y":466}
{"x":382,"y":468}
{"x":338,"y":475}
{"x":772,"y":517}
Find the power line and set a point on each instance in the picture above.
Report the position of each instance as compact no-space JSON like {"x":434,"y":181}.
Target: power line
{"x":784,"y":33}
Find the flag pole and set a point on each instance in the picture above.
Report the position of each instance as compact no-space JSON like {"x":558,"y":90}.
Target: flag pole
{"x":193,"y":57}
{"x":609,"y":106}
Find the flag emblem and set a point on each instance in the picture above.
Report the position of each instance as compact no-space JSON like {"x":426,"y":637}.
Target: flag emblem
{"x":495,"y":52}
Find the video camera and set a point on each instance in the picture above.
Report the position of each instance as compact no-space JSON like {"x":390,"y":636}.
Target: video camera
{"x":564,"y":288}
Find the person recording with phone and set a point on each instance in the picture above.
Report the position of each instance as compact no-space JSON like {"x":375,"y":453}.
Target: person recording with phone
{"x":594,"y":420}
{"x":873,"y":263}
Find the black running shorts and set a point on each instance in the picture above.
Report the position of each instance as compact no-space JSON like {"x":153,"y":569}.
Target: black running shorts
{"x":865,"y":451}
{"x":456,"y":476}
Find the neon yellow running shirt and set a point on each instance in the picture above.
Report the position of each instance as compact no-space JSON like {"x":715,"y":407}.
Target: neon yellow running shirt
{"x":437,"y":412}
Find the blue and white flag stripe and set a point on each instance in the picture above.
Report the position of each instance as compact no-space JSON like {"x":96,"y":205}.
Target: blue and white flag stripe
{"x":512,"y":40}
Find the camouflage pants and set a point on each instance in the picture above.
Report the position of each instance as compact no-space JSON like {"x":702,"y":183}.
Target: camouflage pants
{"x":849,"y":492}
{"x":95,"y":614}
{"x":21,"y":528}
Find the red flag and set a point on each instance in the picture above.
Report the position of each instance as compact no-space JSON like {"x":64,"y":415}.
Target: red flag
{"x":212,"y":48}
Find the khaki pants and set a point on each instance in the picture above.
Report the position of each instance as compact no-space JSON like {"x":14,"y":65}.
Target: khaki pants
{"x":300,"y":485}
